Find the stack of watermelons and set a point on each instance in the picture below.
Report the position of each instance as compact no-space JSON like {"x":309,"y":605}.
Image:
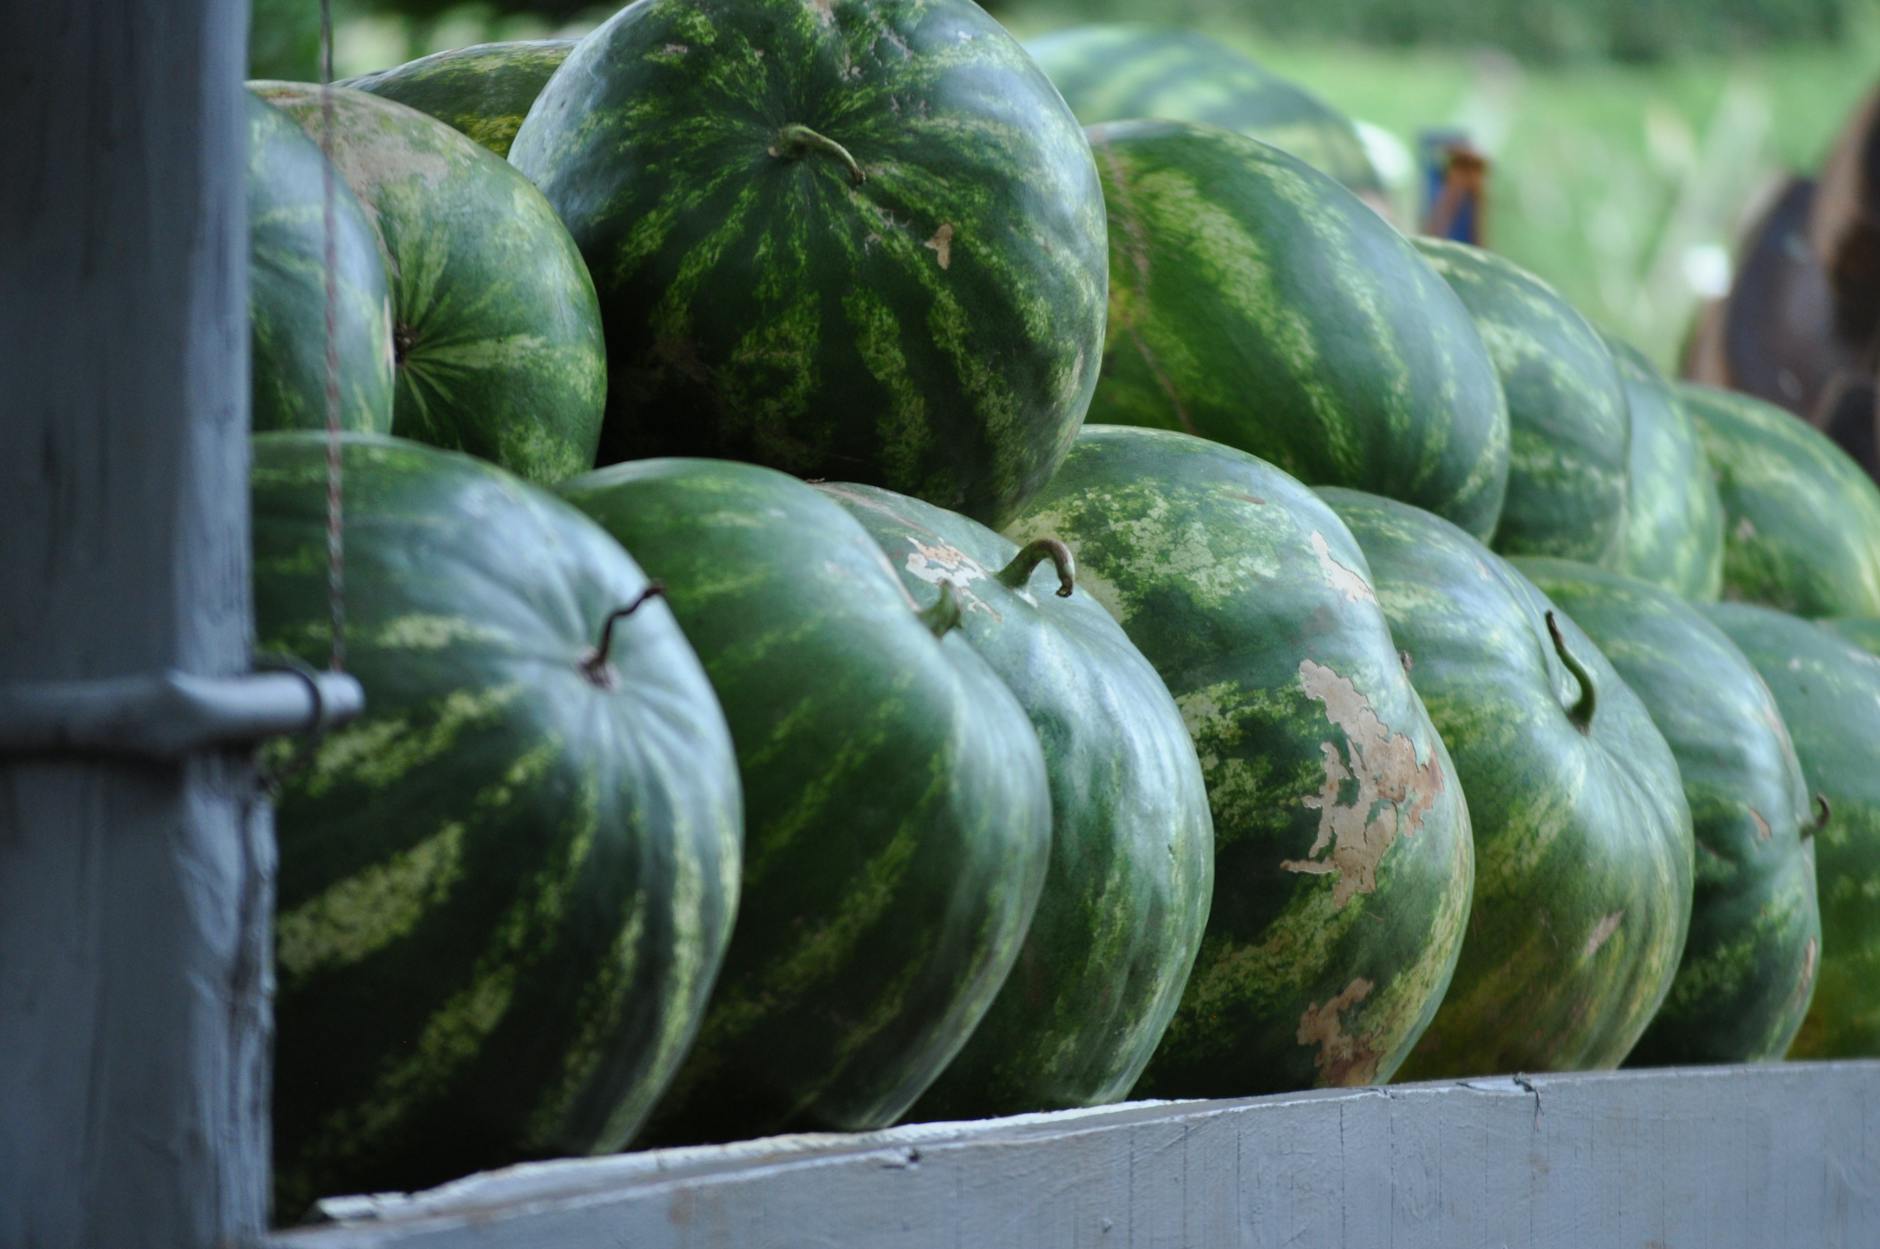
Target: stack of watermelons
{"x":876,"y":600}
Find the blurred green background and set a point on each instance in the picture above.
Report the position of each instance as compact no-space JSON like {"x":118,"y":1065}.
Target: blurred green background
{"x":1630,"y":138}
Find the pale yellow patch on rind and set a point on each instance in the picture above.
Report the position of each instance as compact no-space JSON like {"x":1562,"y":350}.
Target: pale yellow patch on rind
{"x":1346,"y":581}
{"x":1344,"y":1058}
{"x":1394,"y":790}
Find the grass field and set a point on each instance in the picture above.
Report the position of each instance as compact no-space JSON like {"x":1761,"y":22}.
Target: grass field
{"x":1624,"y":185}
{"x":1609,"y":180}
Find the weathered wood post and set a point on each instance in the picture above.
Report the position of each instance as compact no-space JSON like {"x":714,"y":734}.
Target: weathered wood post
{"x":134,"y":894}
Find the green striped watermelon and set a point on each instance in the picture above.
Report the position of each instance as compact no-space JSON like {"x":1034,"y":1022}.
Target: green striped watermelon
{"x":1801,"y":519}
{"x":1582,"y":832}
{"x":1125,"y":71}
{"x":503,"y":892}
{"x":1749,"y":966}
{"x":1862,"y":631}
{"x":856,"y":239}
{"x":1673,"y":533}
{"x":1132,"y":853}
{"x":1256,"y":303}
{"x":495,"y":330}
{"x":1567,"y":409}
{"x":1342,"y":852}
{"x":896,"y":805}
{"x":287,"y":287}
{"x":1829,"y":693}
{"x":483,"y":91}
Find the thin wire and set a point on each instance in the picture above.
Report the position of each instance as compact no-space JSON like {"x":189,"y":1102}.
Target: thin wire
{"x":329,"y":192}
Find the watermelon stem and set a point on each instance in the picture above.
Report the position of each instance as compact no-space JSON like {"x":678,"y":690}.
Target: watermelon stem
{"x":594,"y":664}
{"x":945,"y":615}
{"x":795,"y":142}
{"x":1017,"y":574}
{"x":1581,"y":713}
{"x":1823,"y":813}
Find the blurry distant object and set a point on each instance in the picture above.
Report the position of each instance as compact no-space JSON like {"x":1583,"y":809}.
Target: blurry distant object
{"x":1844,"y":227}
{"x":369,"y":35}
{"x":1771,"y":337}
{"x":1455,"y":186}
{"x":1121,"y":72}
{"x":1707,"y":270}
{"x":1396,"y":167}
{"x":1623,"y":30}
{"x":1800,"y":326}
{"x":483,"y":91}
{"x":1388,"y":154}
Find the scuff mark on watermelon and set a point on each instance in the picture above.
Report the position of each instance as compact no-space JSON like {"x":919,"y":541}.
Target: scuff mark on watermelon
{"x":1602,"y":933}
{"x":1807,"y":983}
{"x":938,"y":562}
{"x":825,"y":11}
{"x":1346,"y":581}
{"x":1762,"y":825}
{"x":1343,"y":1058}
{"x":941,"y":244}
{"x":1394,"y":791}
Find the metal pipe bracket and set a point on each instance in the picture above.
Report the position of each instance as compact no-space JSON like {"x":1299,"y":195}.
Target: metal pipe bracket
{"x":169,"y":715}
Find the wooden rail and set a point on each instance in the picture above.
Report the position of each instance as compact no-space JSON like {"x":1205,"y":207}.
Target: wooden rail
{"x":1770,"y":1157}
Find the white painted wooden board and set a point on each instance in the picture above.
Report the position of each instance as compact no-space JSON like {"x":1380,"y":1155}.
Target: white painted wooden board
{"x":1772,"y":1157}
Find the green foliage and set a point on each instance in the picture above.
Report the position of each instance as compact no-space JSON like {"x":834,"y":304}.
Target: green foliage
{"x":1626,"y":30}
{"x":1606,"y":176}
{"x":284,"y":39}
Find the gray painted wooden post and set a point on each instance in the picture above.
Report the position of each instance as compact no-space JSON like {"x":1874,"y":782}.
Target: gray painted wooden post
{"x":133,"y":896}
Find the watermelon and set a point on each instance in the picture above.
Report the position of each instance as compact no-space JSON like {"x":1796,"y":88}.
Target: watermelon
{"x":896,"y":804}
{"x":1342,"y":852}
{"x":482,"y":91}
{"x":855,"y":239}
{"x":1829,"y":693}
{"x":1749,"y":966}
{"x":1801,"y":520}
{"x":495,"y":330}
{"x":1254,"y":302}
{"x":1582,"y":832}
{"x":505,"y":890}
{"x":1673,"y":531}
{"x":1126,"y":71}
{"x":287,"y":288}
{"x":1567,"y":409}
{"x":1132,"y":852}
{"x":1862,"y":631}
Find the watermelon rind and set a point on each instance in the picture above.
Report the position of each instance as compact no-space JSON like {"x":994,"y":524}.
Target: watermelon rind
{"x":1342,"y":851}
{"x":1254,"y":302}
{"x":496,"y":334}
{"x":1801,"y":519}
{"x":1748,"y":969}
{"x":897,"y":812}
{"x":287,"y":288}
{"x":1132,"y":846}
{"x":504,"y":891}
{"x":1829,"y":693}
{"x":483,"y":91}
{"x":1569,"y":421}
{"x":859,"y":240}
{"x":1673,"y":534}
{"x":1126,"y":71}
{"x":1583,"y":843}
